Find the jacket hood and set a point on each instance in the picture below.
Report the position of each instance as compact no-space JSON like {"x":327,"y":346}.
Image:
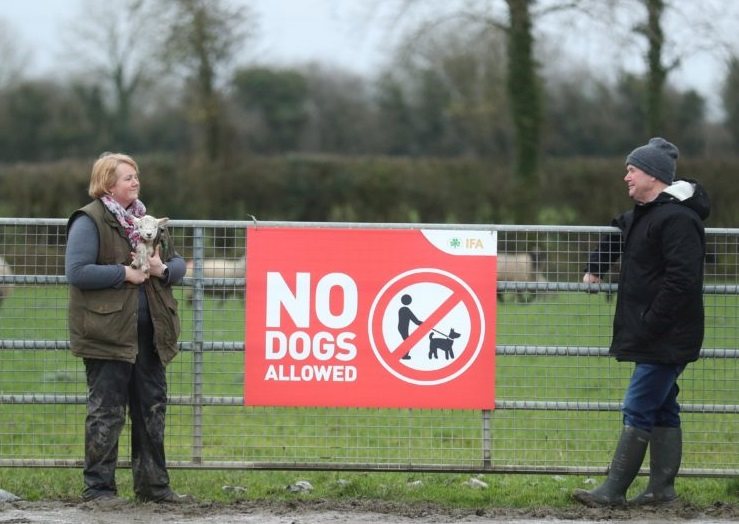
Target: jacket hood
{"x":690,"y":194}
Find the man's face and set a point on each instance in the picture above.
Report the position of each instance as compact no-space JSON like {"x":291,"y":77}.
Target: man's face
{"x":642,"y":187}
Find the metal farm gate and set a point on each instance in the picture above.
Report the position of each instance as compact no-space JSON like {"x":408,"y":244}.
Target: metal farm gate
{"x":557,"y":393}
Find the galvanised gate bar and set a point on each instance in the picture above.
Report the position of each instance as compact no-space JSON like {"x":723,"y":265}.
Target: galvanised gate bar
{"x":557,"y":392}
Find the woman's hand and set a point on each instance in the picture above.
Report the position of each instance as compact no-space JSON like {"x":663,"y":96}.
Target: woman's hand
{"x":135,"y":276}
{"x":156,"y":266}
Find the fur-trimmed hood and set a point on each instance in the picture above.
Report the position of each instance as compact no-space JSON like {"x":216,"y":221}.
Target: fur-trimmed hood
{"x":691,"y":194}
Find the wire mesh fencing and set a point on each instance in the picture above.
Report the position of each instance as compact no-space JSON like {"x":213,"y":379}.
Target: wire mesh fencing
{"x":558,"y":393}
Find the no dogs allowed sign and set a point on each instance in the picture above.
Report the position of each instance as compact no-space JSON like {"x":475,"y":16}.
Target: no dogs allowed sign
{"x":370,"y":318}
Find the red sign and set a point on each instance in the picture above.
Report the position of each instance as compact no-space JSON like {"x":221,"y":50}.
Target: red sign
{"x":370,"y":318}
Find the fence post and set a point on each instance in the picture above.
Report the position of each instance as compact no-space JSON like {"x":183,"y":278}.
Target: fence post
{"x":197,"y":347}
{"x":486,"y":457}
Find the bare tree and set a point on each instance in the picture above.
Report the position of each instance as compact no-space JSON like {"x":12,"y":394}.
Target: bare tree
{"x":201,"y":40}
{"x":646,"y":21}
{"x":515,"y":18}
{"x":14,"y":55}
{"x":446,"y":94}
{"x":730,"y":97}
{"x":524,"y":88}
{"x":109,"y":43}
{"x":656,"y":70}
{"x":664,"y":35}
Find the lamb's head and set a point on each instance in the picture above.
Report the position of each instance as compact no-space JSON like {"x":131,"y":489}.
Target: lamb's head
{"x":148,"y":227}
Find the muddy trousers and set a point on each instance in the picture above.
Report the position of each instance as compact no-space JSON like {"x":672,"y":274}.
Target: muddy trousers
{"x":112,"y":387}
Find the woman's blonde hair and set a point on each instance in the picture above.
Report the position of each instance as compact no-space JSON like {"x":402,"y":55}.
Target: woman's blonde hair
{"x":103,"y":175}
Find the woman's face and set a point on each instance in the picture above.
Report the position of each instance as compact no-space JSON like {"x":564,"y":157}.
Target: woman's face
{"x":126,"y":188}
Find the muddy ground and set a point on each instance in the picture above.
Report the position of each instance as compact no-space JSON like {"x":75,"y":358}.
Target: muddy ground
{"x":357,"y":511}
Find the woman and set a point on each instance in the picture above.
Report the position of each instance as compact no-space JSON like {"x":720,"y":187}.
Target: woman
{"x":123,"y":323}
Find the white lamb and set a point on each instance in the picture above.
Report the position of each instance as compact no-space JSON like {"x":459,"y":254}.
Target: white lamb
{"x":148,"y":228}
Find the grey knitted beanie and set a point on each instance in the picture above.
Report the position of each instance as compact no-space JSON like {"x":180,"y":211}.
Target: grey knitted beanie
{"x":657,"y":159}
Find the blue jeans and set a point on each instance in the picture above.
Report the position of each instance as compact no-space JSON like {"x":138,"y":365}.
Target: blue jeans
{"x":651,"y":399}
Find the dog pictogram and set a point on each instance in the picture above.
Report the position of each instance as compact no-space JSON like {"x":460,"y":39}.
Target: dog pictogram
{"x":445,"y":344}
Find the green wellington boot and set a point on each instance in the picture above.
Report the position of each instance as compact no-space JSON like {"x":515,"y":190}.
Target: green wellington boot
{"x":665,"y":454}
{"x":627,"y":460}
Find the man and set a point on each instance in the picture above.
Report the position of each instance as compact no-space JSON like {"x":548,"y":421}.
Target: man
{"x":659,"y":319}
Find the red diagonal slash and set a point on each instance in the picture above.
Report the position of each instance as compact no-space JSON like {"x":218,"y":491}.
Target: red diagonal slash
{"x":427,"y":325}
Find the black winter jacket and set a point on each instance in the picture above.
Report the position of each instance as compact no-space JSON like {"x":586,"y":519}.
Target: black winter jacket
{"x":659,"y":311}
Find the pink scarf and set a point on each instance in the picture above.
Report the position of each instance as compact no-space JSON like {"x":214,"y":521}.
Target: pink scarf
{"x":125,"y":216}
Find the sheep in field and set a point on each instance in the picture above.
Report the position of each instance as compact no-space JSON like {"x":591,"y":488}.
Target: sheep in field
{"x":521,"y":267}
{"x":7,"y":288}
{"x":219,"y":268}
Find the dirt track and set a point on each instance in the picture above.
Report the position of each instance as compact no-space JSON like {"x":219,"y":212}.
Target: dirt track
{"x":359,"y":511}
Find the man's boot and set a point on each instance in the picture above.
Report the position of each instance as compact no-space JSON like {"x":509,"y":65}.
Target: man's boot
{"x":625,"y":465}
{"x":665,"y":452}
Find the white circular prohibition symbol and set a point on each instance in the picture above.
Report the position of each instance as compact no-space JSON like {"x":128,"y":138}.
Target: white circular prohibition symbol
{"x":372,"y":332}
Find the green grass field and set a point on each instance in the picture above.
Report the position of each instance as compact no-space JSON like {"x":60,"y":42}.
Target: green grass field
{"x":51,"y":428}
{"x":445,"y":490}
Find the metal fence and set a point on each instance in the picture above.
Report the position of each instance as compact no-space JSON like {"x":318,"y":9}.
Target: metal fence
{"x":558,"y":394}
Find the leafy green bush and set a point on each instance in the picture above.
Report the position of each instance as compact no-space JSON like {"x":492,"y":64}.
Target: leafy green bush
{"x":582,"y":191}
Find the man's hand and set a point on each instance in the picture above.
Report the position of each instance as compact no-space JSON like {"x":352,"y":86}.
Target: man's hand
{"x":589,"y":278}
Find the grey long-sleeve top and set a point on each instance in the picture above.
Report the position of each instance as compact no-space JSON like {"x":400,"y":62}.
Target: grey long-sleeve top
{"x":81,"y":254}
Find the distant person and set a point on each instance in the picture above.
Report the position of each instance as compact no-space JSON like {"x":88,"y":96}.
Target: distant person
{"x":405,"y":317}
{"x":659,"y":318}
{"x":123,"y":322}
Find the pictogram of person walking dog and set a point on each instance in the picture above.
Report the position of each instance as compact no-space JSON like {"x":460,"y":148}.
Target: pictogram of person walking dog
{"x":406,"y":316}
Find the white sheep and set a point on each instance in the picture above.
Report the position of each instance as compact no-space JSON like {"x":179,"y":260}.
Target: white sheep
{"x":7,"y":288}
{"x":148,"y":229}
{"x":520,"y":267}
{"x":218,"y":268}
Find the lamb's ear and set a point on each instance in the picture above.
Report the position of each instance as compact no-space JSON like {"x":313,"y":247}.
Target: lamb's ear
{"x":163,"y":221}
{"x":136,"y":221}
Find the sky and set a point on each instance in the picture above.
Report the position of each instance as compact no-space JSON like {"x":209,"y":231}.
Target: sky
{"x":338,"y":32}
{"x":291,"y":32}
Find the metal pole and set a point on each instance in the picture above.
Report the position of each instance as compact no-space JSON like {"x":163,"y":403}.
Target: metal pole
{"x":486,"y":441}
{"x":197,"y":349}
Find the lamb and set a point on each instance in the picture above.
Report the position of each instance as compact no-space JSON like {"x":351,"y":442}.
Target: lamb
{"x":148,"y":229}
{"x":520,"y":267}
{"x":5,"y":289}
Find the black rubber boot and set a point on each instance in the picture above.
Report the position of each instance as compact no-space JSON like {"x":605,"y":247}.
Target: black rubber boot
{"x":627,"y":460}
{"x":665,"y":452}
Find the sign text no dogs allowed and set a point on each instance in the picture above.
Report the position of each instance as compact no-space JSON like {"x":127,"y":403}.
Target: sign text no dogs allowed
{"x":370,"y":318}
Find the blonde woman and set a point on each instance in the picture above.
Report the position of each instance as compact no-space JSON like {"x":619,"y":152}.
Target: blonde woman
{"x":123,"y":323}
